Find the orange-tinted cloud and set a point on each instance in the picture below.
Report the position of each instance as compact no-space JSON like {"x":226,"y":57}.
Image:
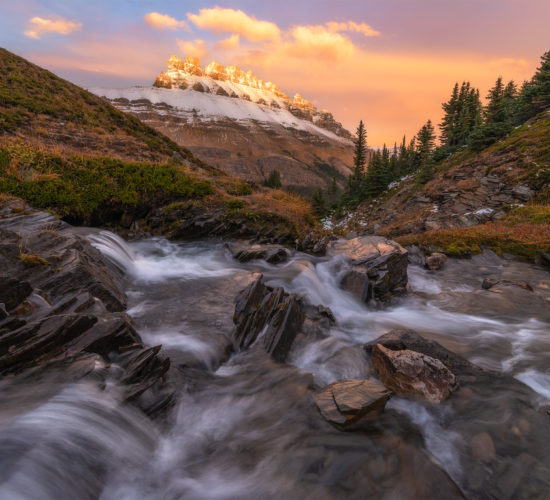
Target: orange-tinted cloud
{"x":39,"y":26}
{"x":235,"y":21}
{"x":318,"y":42}
{"x":507,"y":63}
{"x":163,"y":21}
{"x":196,"y":48}
{"x":362,"y":28}
{"x":229,"y":43}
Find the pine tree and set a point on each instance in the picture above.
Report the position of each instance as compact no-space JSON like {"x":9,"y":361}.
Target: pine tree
{"x":448,"y":124}
{"x":424,"y":149}
{"x":359,"y":158}
{"x":535,"y":94}
{"x":333,"y":188}
{"x":273,"y":180}
{"x":319,"y":202}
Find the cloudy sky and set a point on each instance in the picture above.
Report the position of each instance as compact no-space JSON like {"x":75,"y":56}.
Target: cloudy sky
{"x":388,"y":62}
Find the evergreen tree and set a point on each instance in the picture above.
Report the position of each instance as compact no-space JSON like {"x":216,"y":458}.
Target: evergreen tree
{"x":319,"y":202}
{"x":359,"y":158}
{"x":499,"y":115}
{"x":535,"y":94}
{"x":273,"y":180}
{"x":424,"y":150}
{"x":333,"y":188}
{"x":376,"y":179}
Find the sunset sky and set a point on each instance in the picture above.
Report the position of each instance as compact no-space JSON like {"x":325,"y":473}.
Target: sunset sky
{"x":388,"y":62}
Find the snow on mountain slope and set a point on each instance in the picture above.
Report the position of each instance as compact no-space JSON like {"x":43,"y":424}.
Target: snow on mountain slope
{"x":235,"y":121}
{"x":210,"y":107}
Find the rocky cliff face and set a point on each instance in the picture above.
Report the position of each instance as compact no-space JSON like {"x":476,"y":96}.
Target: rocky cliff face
{"x":241,"y":124}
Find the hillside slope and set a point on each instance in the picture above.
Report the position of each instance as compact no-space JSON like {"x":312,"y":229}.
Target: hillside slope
{"x":64,"y":149}
{"x":240,"y":124}
{"x":498,"y":198}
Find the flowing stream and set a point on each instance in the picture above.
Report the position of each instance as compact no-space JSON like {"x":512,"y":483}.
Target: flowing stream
{"x":245,"y":427}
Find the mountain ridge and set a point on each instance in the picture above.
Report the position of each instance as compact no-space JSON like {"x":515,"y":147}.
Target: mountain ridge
{"x":238,"y":123}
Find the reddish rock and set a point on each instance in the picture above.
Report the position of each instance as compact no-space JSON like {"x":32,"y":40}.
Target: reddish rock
{"x":436,"y":261}
{"x":408,"y":372}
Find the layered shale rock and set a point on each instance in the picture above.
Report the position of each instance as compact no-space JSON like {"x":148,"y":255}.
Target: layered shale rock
{"x":378,"y":267}
{"x":64,"y":303}
{"x":268,"y":318}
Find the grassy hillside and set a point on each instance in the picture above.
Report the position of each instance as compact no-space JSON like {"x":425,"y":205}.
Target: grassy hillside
{"x":64,"y":149}
{"x":523,"y":229}
{"x":49,"y":111}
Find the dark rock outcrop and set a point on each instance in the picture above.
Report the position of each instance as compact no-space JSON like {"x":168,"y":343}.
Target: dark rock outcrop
{"x":267,"y":317}
{"x":378,"y":267}
{"x":410,"y":372}
{"x":67,"y":306}
{"x":346,"y":401}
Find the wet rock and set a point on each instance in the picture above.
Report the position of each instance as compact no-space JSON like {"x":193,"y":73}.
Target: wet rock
{"x":313,"y":242}
{"x":267,"y":317}
{"x":71,"y":314}
{"x":273,"y":254}
{"x":409,"y":372}
{"x":346,"y":401}
{"x":378,"y":267}
{"x":13,"y":292}
{"x":489,"y":283}
{"x":483,"y":447}
{"x":436,"y":261}
{"x":397,"y":340}
{"x":416,"y":256}
{"x":327,"y":313}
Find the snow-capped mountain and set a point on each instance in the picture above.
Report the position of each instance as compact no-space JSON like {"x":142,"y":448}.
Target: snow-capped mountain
{"x":235,"y":121}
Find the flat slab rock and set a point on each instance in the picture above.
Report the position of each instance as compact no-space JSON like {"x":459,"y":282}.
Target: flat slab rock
{"x":378,"y":267}
{"x":346,"y":401}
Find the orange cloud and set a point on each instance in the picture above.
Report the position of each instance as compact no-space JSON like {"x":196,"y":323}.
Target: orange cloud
{"x":362,"y":28}
{"x":319,"y":42}
{"x":229,"y":43}
{"x":39,"y":26}
{"x":508,"y":63}
{"x":235,"y":21}
{"x":196,"y":48}
{"x":163,"y":21}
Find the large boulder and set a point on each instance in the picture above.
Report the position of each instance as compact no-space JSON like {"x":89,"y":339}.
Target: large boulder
{"x":408,"y":372}
{"x":346,"y":401}
{"x":267,"y":317}
{"x":378,"y":267}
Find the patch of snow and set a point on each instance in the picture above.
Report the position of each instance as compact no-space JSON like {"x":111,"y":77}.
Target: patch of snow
{"x":435,"y":209}
{"x":399,"y":181}
{"x":484,"y":211}
{"x":210,"y":107}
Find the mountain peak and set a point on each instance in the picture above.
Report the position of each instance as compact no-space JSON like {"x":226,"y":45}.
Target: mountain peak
{"x":178,"y":71}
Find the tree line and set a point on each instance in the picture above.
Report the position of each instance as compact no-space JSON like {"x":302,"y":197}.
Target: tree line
{"x":466,"y":124}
